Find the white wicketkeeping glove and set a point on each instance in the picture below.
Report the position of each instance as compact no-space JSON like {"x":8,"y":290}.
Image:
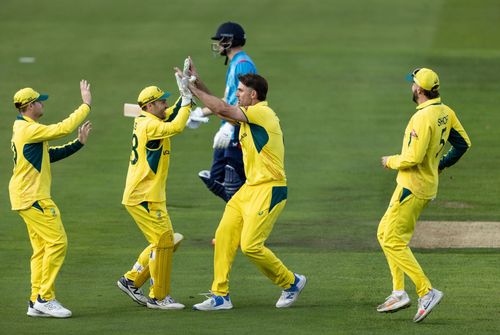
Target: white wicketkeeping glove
{"x":187,"y":65}
{"x":182,"y":83}
{"x":223,"y":136}
{"x":196,"y":118}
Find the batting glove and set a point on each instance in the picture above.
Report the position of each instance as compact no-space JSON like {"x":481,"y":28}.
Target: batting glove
{"x":223,"y":136}
{"x":196,"y":118}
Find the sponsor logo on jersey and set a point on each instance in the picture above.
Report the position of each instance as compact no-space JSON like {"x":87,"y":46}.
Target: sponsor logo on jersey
{"x":243,"y":136}
{"x":443,"y":120}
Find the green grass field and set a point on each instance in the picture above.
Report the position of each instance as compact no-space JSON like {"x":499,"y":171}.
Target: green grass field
{"x":336,"y":74}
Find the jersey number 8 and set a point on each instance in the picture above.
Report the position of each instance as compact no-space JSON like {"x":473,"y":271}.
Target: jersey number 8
{"x":135,"y":155}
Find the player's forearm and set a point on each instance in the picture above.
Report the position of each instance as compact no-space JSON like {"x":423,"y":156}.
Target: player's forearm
{"x":61,"y":152}
{"x":214,"y":104}
{"x":207,"y":111}
{"x":179,"y":123}
{"x":201,"y":86}
{"x":451,"y":157}
{"x":400,"y":162}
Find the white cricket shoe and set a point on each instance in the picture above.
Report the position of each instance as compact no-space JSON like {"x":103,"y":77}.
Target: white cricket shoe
{"x":214,"y":303}
{"x":52,"y":308}
{"x":135,"y":293}
{"x":167,"y":303}
{"x":34,"y":313}
{"x":427,"y":303}
{"x":394,"y":303}
{"x":178,"y":237}
{"x":289,"y":296}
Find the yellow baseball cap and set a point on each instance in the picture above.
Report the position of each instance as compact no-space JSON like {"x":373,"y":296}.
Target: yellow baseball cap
{"x":150,"y":94}
{"x":425,"y":78}
{"x":27,"y":95}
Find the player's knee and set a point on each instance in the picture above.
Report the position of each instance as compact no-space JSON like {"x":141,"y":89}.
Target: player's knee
{"x":393,"y":245}
{"x":165,"y":240}
{"x":60,"y":247}
{"x":380,"y":238}
{"x":251,"y":249}
{"x":62,"y":241}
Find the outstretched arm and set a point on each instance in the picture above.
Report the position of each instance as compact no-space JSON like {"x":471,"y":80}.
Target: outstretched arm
{"x":41,"y":132}
{"x":218,"y":106}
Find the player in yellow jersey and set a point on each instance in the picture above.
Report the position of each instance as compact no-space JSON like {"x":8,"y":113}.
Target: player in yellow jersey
{"x":145,"y":194}
{"x":250,"y":214}
{"x":29,"y":190}
{"x":418,"y":165}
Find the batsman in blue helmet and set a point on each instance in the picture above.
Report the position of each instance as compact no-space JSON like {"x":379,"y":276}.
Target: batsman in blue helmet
{"x":226,"y":175}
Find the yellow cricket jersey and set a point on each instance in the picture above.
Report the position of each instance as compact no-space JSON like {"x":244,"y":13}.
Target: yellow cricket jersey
{"x":31,"y":177}
{"x":262,"y":145}
{"x":150,"y":157}
{"x":425,"y":137}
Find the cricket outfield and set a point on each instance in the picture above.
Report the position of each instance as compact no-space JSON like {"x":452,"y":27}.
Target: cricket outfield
{"x":336,"y":75}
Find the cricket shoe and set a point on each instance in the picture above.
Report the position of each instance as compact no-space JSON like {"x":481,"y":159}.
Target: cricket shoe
{"x":177,"y":240}
{"x":34,"y":313}
{"x":427,"y":303}
{"x":214,"y":303}
{"x":394,"y":303}
{"x":52,"y":308}
{"x":289,"y":296}
{"x":135,"y":293}
{"x":167,"y":303}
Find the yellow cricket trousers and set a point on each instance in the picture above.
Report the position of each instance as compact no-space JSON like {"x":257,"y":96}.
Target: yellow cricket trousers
{"x":247,"y":221}
{"x":394,"y":233}
{"x":49,"y":242}
{"x":153,"y":220}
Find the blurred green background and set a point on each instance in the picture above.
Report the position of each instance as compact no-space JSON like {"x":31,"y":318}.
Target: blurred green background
{"x":336,"y":74}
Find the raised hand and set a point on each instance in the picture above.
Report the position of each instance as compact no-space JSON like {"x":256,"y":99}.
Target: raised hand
{"x":84,"y":131}
{"x":183,"y":84}
{"x":85,"y":91}
{"x":192,"y":68}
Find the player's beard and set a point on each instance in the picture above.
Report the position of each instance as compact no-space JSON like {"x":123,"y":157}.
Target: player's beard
{"x":415,"y":97}
{"x":163,"y":114}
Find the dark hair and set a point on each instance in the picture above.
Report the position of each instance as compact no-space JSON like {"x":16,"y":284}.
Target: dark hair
{"x":255,"y":82}
{"x":431,"y":94}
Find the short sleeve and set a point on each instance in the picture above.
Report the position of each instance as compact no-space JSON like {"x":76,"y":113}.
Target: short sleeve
{"x":254,"y":116}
